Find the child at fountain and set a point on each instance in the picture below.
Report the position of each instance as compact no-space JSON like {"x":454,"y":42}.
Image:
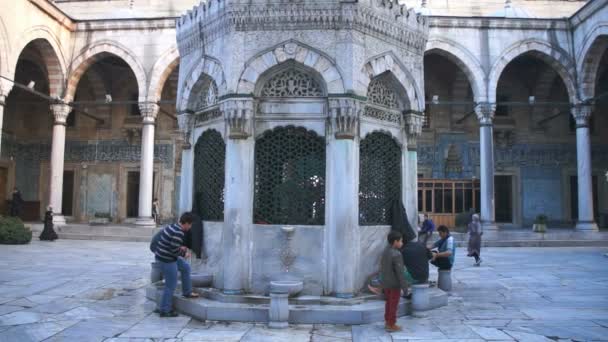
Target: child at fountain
{"x":393,"y":279}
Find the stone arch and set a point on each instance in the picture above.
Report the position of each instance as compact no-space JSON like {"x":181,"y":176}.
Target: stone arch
{"x":92,"y":53}
{"x":207,"y":67}
{"x":465,"y":60}
{"x":291,"y":50}
{"x":51,"y":51}
{"x":278,"y":69}
{"x":555,"y":58}
{"x":4,"y":58}
{"x":389,"y":62}
{"x":589,"y":57}
{"x":161,"y":71}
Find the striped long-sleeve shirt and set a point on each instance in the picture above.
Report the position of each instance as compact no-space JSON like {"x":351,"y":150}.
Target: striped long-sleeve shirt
{"x":171,"y":239}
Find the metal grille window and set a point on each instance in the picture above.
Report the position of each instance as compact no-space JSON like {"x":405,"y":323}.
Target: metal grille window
{"x":379,"y":178}
{"x":289,"y":177}
{"x":209,"y":161}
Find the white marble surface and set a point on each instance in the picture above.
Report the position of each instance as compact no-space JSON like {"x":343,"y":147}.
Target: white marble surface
{"x":93,"y":291}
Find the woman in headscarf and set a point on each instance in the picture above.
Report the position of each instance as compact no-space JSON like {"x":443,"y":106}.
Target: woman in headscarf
{"x":475,"y":232}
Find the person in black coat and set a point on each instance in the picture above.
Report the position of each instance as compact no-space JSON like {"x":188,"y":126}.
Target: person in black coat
{"x":48,"y":233}
{"x":16,"y":203}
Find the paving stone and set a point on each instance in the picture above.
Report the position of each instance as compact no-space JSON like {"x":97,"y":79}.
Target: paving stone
{"x":21,"y":317}
{"x":34,"y":332}
{"x":491,"y":333}
{"x":6,"y":309}
{"x":522,"y":336}
{"x":263,"y":334}
{"x":154,"y":326}
{"x":371,"y":333}
{"x":217,"y":332}
{"x":97,"y":329}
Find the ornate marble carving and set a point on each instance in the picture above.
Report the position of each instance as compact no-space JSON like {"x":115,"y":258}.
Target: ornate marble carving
{"x":210,"y":114}
{"x":382,"y":114}
{"x":413,"y":125}
{"x":345,"y":114}
{"x":207,"y":96}
{"x":387,"y":20}
{"x":291,"y":83}
{"x":149,"y":111}
{"x":60,"y":112}
{"x":381,"y":93}
{"x":581,"y":114}
{"x":485,"y":113}
{"x":238,"y":114}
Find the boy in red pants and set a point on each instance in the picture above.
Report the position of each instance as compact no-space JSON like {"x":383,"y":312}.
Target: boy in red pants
{"x":393,"y":279}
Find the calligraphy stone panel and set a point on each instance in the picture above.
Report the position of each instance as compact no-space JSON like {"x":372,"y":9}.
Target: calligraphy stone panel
{"x":99,"y":193}
{"x":541,"y":193}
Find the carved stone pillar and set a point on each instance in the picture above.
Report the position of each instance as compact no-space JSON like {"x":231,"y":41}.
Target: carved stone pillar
{"x":413,"y":128}
{"x":60,"y":112}
{"x":238,"y":202}
{"x":185,"y":121}
{"x":342,"y":216}
{"x":485,"y":114}
{"x":149,"y":111}
{"x":586,"y":221}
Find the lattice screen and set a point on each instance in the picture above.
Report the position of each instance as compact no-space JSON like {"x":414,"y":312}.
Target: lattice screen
{"x":379,"y":178}
{"x":290,"y":177}
{"x":209,"y":161}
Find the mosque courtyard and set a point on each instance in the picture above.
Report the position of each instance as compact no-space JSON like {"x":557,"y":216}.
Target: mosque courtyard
{"x":72,"y":290}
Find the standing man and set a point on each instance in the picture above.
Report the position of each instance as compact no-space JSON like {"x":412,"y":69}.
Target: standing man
{"x":169,"y":253}
{"x":426,"y":230}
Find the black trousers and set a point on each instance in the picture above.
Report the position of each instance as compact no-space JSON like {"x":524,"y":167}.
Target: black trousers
{"x":442,"y":263}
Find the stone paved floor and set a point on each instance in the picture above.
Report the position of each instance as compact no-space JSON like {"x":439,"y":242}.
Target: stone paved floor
{"x":93,"y":291}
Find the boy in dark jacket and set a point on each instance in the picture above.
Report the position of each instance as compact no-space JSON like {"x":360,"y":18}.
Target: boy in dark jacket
{"x":393,"y":279}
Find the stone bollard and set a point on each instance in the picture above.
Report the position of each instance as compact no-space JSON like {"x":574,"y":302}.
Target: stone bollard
{"x":444,"y":280}
{"x":155,"y":274}
{"x":278,"y":315}
{"x":420,"y":297}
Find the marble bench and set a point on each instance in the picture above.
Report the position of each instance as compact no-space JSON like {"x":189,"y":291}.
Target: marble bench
{"x":426,"y":298}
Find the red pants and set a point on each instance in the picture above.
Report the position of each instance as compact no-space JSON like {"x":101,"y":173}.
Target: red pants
{"x":391,"y":305}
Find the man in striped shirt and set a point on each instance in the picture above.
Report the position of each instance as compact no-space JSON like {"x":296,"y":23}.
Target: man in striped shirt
{"x":169,"y":252}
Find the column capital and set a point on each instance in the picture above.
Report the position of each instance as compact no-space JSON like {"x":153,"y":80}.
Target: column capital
{"x":344,"y":115}
{"x":5,"y":88}
{"x":413,"y":123}
{"x":485,"y":113}
{"x":582,"y":113}
{"x":60,"y":112}
{"x":238,"y":114}
{"x":149,"y":112}
{"x":185,"y":122}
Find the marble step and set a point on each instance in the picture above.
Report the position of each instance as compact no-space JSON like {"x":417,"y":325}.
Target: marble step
{"x":366,"y":312}
{"x":127,"y":238}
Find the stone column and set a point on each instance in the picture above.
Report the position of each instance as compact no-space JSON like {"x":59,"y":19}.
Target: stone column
{"x":185,"y":121}
{"x":586,"y":221}
{"x":238,"y":202}
{"x":5,"y":89}
{"x":60,"y":112}
{"x":342,"y":215}
{"x":485,"y":114}
{"x":413,"y":128}
{"x":2,"y":104}
{"x":149,"y":111}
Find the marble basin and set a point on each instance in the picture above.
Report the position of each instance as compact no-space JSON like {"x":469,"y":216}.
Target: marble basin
{"x":201,"y":279}
{"x":291,"y":287}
